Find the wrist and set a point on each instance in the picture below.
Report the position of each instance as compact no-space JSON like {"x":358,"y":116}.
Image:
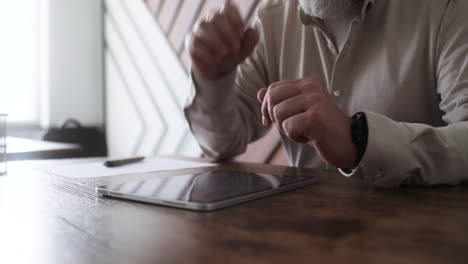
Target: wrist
{"x":212,"y":94}
{"x":201,"y":79}
{"x":338,"y":150}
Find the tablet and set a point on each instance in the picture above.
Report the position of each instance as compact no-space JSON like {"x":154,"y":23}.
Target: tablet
{"x":205,"y":191}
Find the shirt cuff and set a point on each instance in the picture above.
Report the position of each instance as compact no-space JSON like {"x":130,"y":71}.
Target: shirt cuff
{"x":386,"y":159}
{"x":355,"y":172}
{"x":347,"y":172}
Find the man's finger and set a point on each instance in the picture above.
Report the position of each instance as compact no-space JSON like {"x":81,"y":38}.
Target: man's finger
{"x":297,"y":128}
{"x":279,"y":94}
{"x":227,"y":32}
{"x":282,"y":92}
{"x":234,"y":17}
{"x":283,"y":82}
{"x":287,"y":108}
{"x":212,"y":40}
{"x":261,"y":94}
{"x":248,"y":43}
{"x":197,"y":48}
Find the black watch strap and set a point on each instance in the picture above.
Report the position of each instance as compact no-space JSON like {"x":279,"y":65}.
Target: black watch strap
{"x":359,"y":133}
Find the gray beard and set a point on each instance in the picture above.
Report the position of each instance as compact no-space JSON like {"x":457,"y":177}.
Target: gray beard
{"x":324,"y":9}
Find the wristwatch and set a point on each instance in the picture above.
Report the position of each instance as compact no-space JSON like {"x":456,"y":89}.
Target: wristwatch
{"x":359,"y":133}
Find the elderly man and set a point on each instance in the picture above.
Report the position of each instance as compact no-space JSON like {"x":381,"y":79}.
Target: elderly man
{"x":377,"y":88}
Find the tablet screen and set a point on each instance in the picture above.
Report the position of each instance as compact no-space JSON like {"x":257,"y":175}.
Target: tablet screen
{"x":206,"y":187}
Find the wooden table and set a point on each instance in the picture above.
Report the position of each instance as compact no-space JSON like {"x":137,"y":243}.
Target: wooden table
{"x":24,"y":149}
{"x":48,"y":219}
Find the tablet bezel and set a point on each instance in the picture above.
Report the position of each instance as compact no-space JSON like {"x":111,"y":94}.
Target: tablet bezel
{"x":196,"y":206}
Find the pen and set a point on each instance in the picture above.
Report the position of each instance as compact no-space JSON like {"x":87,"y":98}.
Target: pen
{"x":120,"y":162}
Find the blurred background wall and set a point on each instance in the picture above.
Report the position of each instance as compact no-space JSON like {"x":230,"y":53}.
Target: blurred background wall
{"x":147,"y":69}
{"x":119,"y":65}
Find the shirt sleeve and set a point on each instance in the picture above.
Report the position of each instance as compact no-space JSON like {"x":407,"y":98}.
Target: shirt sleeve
{"x":417,"y":154}
{"x":224,"y":115}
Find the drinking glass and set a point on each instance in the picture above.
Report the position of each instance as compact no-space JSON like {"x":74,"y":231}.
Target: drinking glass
{"x":3,"y":144}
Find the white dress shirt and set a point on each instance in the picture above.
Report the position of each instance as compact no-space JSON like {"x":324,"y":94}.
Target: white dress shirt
{"x":404,"y":63}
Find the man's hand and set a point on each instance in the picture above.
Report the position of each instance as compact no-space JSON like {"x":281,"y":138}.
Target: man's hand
{"x":304,"y":111}
{"x":219,"y":43}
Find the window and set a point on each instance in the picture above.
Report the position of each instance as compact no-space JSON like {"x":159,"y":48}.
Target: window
{"x":19,"y":70}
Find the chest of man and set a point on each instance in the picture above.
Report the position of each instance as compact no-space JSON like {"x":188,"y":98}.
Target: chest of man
{"x":384,"y":66}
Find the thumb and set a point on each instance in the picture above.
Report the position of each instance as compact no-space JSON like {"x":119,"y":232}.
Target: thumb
{"x":261,"y":94}
{"x":249,"y":42}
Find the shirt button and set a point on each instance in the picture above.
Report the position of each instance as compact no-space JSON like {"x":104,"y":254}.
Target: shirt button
{"x":336,"y":93}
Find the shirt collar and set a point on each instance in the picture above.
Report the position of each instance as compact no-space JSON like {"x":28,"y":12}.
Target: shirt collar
{"x":306,"y":19}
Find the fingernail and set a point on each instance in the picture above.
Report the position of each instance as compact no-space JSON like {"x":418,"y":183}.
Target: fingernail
{"x":264,"y":121}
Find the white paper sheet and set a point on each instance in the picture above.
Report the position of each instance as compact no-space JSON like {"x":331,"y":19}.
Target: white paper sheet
{"x":97,"y":169}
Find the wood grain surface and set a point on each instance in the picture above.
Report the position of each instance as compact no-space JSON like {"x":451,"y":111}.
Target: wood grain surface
{"x":49,"y":219}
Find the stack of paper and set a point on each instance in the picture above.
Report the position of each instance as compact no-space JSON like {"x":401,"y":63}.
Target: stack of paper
{"x":97,"y":169}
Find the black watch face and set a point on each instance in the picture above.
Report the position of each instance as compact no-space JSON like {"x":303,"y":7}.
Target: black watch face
{"x":359,"y":132}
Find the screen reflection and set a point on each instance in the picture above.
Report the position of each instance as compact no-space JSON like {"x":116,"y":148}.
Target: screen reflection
{"x":206,"y":187}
